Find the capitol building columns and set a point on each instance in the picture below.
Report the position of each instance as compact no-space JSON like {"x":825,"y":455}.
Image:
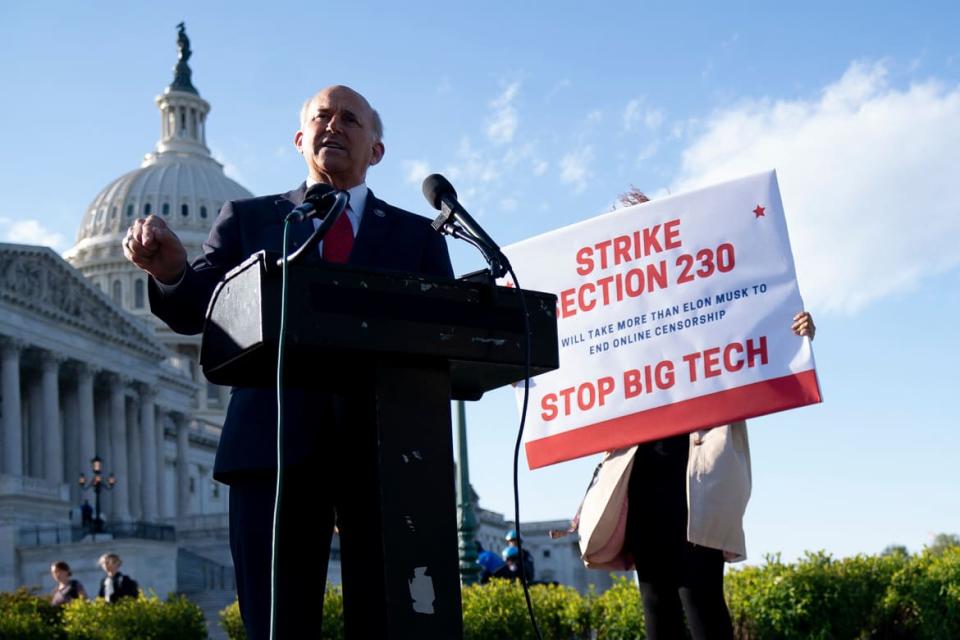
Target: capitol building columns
{"x":118,"y":442}
{"x":164,"y":511}
{"x":148,"y":439}
{"x":86,"y":420}
{"x":34,"y":423}
{"x":183,"y":464}
{"x":52,"y":427}
{"x":10,"y":350}
{"x":58,"y":412}
{"x":134,"y":461}
{"x":75,"y":411}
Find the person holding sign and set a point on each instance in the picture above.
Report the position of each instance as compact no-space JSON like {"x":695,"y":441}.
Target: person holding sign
{"x":687,"y":496}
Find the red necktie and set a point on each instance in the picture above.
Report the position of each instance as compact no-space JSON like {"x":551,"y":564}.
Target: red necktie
{"x":339,"y":240}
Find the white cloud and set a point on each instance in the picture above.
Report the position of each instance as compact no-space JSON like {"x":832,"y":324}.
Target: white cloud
{"x":631,"y":114}
{"x":647,"y":152}
{"x":540,"y":167}
{"x":634,"y":114}
{"x":653,"y":118}
{"x":30,"y":232}
{"x":503,"y":123}
{"x":575,"y":168}
{"x":416,"y":170}
{"x":474,"y":165}
{"x":595,"y":116}
{"x":508,"y":204}
{"x":868,"y":177}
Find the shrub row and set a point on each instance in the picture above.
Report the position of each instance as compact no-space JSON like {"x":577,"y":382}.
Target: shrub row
{"x":27,"y":616}
{"x":889,"y":597}
{"x":880,"y":597}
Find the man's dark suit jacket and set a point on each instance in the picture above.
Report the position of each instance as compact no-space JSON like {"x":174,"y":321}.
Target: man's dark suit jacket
{"x":389,"y":238}
{"x":123,"y":587}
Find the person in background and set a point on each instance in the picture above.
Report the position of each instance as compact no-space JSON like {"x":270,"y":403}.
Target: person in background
{"x":116,"y":585}
{"x":67,"y":588}
{"x":490,"y":564}
{"x":513,"y":542}
{"x":687,"y":496}
{"x":86,"y":514}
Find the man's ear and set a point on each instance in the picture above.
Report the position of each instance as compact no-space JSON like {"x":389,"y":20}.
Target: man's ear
{"x":298,"y":141}
{"x":378,"y":151}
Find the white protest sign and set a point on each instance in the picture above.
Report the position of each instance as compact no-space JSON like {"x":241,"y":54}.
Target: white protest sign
{"x":672,"y":315}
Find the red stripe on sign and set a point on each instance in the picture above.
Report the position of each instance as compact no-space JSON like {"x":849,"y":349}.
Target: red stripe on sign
{"x":724,"y":407}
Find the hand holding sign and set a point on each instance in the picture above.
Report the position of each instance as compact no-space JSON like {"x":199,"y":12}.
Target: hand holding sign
{"x":673,"y":315}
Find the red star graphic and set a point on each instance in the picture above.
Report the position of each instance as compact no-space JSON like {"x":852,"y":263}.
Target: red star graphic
{"x":759,"y":211}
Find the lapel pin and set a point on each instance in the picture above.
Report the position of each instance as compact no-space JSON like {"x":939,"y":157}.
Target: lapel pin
{"x":379,"y":213}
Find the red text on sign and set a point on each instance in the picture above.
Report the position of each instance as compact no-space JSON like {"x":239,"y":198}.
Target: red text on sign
{"x":627,"y":248}
{"x":584,"y":397}
{"x":650,"y":378}
{"x":614,"y":288}
{"x":707,"y":262}
{"x":733,"y":357}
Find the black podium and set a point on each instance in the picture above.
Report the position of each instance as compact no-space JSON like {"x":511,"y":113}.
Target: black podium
{"x":422,"y":341}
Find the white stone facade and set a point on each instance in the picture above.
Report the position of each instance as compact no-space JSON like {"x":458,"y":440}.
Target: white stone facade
{"x":80,"y":377}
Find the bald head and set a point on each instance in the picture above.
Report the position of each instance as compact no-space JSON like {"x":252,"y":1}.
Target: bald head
{"x":340,"y":137}
{"x":377,"y":123}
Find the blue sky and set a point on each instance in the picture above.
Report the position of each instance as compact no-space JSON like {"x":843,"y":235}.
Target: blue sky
{"x":542,"y":114}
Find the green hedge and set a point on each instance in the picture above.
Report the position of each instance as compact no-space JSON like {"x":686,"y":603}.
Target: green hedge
{"x":816,"y":598}
{"x":887,"y":597}
{"x":498,"y":611}
{"x":231,"y":622}
{"x":881,"y":597}
{"x":923,"y":600}
{"x":145,"y":618}
{"x":24,"y":615}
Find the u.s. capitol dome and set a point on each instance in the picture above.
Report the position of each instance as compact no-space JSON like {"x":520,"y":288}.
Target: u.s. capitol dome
{"x":179,"y":181}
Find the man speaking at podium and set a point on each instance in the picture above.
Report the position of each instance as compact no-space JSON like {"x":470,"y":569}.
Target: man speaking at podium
{"x":330,"y":468}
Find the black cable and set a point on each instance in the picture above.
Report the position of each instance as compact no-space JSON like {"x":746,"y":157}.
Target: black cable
{"x":498,"y":265}
{"x":516,"y":450}
{"x":340,"y":201}
{"x":281,"y":343}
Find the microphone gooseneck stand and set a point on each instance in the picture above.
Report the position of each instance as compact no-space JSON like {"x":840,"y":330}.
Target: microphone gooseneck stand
{"x":329,"y":207}
{"x":457,"y":223}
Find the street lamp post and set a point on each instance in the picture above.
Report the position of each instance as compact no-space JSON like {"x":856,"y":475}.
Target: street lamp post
{"x":467,"y":525}
{"x":98,"y":484}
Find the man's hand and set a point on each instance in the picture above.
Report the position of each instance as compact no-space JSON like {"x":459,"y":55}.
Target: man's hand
{"x":803,"y":325}
{"x":152,"y":246}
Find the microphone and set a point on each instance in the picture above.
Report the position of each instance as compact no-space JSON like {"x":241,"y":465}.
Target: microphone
{"x":320,"y":201}
{"x":441,"y":195}
{"x":311,"y":200}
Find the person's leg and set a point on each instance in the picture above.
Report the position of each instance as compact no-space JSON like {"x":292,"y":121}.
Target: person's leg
{"x":302,"y":558}
{"x":359,"y":519}
{"x":662,"y":613}
{"x":701,"y":592}
{"x":656,"y":531}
